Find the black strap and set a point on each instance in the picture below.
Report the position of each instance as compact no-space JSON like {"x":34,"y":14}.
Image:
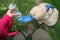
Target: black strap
{"x":33,"y":31}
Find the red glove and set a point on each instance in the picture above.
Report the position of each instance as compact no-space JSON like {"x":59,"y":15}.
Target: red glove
{"x":13,"y":33}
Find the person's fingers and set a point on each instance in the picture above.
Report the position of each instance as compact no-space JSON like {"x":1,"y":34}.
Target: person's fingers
{"x":14,"y":14}
{"x":10,"y":11}
{"x":11,"y":14}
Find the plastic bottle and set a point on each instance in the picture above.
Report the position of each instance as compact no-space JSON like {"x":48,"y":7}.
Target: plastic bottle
{"x":12,"y":8}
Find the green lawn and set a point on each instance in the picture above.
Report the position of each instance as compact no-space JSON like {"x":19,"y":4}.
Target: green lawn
{"x":25,"y":6}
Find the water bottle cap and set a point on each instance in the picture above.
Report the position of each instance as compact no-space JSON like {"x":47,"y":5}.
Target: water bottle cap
{"x":12,"y":6}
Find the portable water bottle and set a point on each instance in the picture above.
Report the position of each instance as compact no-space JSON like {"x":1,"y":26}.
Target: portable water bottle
{"x":20,"y":18}
{"x":12,"y":7}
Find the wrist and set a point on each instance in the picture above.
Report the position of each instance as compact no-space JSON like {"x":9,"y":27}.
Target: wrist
{"x":9,"y":15}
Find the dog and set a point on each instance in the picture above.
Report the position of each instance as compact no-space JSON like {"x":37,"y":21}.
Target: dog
{"x":45,"y":13}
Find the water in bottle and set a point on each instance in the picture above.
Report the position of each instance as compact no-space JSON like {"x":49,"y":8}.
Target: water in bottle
{"x":13,"y":7}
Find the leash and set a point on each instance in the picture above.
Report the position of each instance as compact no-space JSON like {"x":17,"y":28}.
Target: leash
{"x":27,"y":37}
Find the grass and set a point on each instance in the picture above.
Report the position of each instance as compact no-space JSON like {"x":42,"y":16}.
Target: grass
{"x":25,"y":6}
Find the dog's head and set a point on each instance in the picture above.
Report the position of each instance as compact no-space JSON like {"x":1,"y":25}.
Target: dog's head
{"x":38,"y":12}
{"x":45,"y":12}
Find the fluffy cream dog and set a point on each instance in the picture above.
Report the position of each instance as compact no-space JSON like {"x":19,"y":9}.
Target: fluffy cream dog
{"x":39,"y":13}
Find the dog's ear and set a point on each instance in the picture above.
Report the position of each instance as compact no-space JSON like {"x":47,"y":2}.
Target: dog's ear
{"x":48,"y":6}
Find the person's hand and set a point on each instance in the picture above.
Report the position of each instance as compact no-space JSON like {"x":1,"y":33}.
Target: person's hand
{"x":13,"y":33}
{"x":11,"y":14}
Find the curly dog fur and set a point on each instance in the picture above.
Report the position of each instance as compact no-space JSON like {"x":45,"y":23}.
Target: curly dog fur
{"x":39,"y":13}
